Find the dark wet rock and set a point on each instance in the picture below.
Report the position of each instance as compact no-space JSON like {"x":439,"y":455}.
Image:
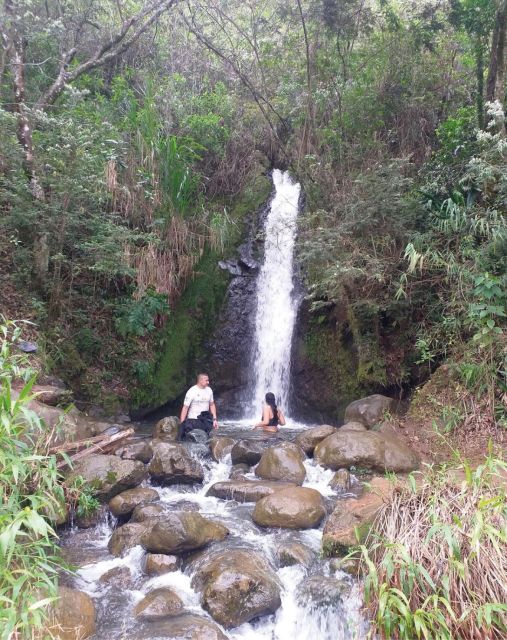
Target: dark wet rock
{"x":282,"y":462}
{"x":198,"y":436}
{"x":182,"y":531}
{"x":167,"y":429}
{"x":365,"y":449}
{"x":353,"y":426}
{"x":369,"y":410}
{"x":250,"y":451}
{"x":220,"y":446}
{"x":108,"y":475}
{"x":145,"y":512}
{"x":231,"y":266}
{"x":117,"y":577}
{"x":294,"y":508}
{"x":91,"y":519}
{"x":182,"y":627}
{"x":125,"y":537}
{"x":238,"y":471}
{"x":156,"y":564}
{"x":340,"y":480}
{"x":236,"y":586}
{"x":290,"y":553}
{"x":124,"y":503}
{"x":141,"y":451}
{"x":159,"y":603}
{"x":310,"y":438}
{"x":246,"y":490}
{"x":323,"y":591}
{"x":172,"y":464}
{"x":72,"y":616}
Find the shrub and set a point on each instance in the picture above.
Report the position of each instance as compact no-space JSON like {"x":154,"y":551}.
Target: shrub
{"x":32,"y":499}
{"x":435,"y":561}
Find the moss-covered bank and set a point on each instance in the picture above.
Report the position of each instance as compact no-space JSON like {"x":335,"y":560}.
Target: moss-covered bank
{"x":182,"y":341}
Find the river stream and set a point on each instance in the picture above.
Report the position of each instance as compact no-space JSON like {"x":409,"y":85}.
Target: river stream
{"x":333,"y":613}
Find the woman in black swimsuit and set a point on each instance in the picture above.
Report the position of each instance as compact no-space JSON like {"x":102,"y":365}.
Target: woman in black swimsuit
{"x":272,"y":416}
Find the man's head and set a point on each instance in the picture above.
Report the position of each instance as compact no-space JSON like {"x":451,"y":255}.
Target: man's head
{"x":202,"y":380}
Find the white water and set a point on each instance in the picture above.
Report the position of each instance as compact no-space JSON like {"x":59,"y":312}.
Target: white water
{"x":276,"y":303}
{"x":298,"y":618}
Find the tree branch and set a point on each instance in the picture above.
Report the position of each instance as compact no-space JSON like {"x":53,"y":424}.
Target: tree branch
{"x":131,"y":30}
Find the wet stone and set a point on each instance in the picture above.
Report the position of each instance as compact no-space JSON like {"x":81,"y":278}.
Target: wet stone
{"x":156,"y":564}
{"x":159,"y":603}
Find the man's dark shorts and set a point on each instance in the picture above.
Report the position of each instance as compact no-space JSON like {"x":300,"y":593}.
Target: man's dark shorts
{"x":204,"y":422}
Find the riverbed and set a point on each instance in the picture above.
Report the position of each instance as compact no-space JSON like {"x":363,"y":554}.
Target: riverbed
{"x":317,"y":601}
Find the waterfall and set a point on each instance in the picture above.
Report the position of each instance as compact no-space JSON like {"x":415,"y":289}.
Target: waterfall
{"x":276,"y":302}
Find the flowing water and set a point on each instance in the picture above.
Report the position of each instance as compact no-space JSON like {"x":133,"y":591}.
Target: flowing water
{"x":300,"y":616}
{"x":276,"y":303}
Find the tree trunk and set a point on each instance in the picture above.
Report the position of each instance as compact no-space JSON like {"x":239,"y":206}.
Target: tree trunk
{"x":479,"y":90}
{"x":495,"y":89}
{"x":16,"y":47}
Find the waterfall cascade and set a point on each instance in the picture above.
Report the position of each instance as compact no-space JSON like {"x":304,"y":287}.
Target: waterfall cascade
{"x":276,"y":302}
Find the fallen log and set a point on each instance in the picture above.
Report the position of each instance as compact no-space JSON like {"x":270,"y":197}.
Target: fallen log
{"x":101,"y":446}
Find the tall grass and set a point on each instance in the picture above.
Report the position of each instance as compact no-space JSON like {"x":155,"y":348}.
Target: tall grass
{"x":32,"y":498}
{"x":436,"y":559}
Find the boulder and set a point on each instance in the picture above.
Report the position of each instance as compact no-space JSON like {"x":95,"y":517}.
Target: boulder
{"x":159,"y":603}
{"x":182,"y":531}
{"x":351,"y":519}
{"x":236,"y":586}
{"x":172,"y":464}
{"x":53,"y":395}
{"x":124,"y":503}
{"x":152,"y":511}
{"x":141,"y":451}
{"x":290,"y":553}
{"x":250,"y":451}
{"x":108,"y":475}
{"x":365,"y":449}
{"x":125,"y":537}
{"x":323,"y":591}
{"x":282,"y":462}
{"x":353,"y":426}
{"x":186,"y":626}
{"x":91,"y":519}
{"x":340,"y":480}
{"x":66,"y":425}
{"x":220,"y":446}
{"x":117,"y":577}
{"x":238,"y":471}
{"x":294,"y":508}
{"x":246,"y":490}
{"x":167,"y":429}
{"x":310,"y":438}
{"x":156,"y":564}
{"x":369,"y":410}
{"x":72,"y":616}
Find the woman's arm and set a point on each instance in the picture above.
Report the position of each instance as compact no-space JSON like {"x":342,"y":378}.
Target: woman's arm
{"x":281,"y":417}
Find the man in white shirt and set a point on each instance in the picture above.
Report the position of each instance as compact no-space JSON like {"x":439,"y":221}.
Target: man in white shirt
{"x":199,"y":410}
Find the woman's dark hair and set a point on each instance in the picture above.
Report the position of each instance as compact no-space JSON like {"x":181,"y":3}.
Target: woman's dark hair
{"x":271,"y":400}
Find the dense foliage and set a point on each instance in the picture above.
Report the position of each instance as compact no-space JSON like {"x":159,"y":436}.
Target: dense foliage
{"x":128,"y":133}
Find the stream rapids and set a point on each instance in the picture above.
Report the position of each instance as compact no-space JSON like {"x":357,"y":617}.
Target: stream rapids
{"x":303,"y":614}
